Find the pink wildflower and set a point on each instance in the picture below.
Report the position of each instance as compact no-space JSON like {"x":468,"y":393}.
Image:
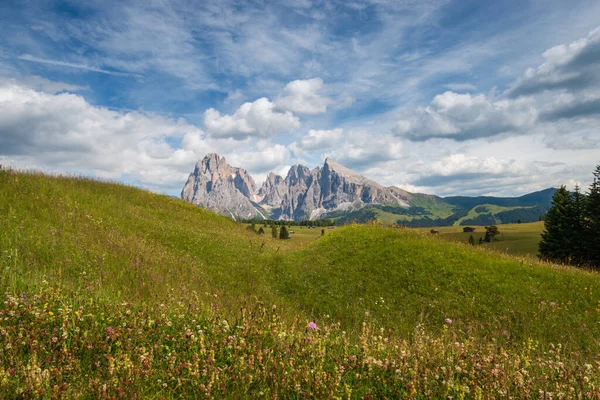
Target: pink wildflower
{"x":448,"y":320}
{"x":312,"y":325}
{"x":21,"y":227}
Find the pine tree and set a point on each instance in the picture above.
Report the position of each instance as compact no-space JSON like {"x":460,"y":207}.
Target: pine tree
{"x":283,"y":233}
{"x":556,"y":244}
{"x":274,"y":233}
{"x":471,"y":240}
{"x":261,"y":231}
{"x":575,"y":228}
{"x":490,"y":233}
{"x":592,"y":221}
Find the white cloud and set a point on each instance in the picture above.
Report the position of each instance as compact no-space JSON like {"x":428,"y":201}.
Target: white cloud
{"x":317,"y":140}
{"x":234,"y":96}
{"x":46,"y":85}
{"x":572,"y":67}
{"x":361,"y":150}
{"x":57,"y":63}
{"x":301,"y":97}
{"x":465,"y":116}
{"x":462,"y":164}
{"x":258,"y":118}
{"x":63,"y":132}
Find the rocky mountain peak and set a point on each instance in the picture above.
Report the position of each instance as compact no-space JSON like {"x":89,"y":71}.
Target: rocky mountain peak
{"x":303,"y":194}
{"x":216,"y":185}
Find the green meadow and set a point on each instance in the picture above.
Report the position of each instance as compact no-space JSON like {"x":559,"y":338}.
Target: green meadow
{"x":515,"y":239}
{"x":111,"y":291}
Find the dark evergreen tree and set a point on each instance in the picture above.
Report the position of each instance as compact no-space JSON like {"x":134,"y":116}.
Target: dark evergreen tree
{"x":471,"y":240}
{"x":274,"y":233}
{"x":556,"y":243}
{"x":261,"y":231}
{"x":283,"y":233}
{"x":490,"y":233}
{"x":592,"y":221}
{"x":575,"y":228}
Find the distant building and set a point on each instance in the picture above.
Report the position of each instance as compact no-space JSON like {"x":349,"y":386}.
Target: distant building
{"x":468,"y":229}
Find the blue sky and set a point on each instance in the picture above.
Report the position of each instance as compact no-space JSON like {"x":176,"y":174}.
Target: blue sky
{"x":444,"y":97}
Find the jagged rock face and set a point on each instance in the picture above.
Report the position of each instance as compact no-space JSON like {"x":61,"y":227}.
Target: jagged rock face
{"x":273,"y":190}
{"x":340,"y":186}
{"x":216,"y":185}
{"x":303,"y":194}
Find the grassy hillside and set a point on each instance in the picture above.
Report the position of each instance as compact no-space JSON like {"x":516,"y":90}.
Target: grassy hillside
{"x":110,"y":290}
{"x":514,"y":239}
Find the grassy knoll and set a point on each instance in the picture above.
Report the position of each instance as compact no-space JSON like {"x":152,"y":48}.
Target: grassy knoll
{"x":113,"y":291}
{"x":514,"y":239}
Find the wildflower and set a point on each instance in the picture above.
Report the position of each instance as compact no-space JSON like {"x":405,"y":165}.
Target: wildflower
{"x":312,"y":325}
{"x":448,"y":321}
{"x":21,"y":227}
{"x":109,"y":331}
{"x":12,"y":371}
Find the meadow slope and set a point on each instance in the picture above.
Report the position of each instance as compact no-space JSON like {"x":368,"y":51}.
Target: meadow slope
{"x":113,"y":290}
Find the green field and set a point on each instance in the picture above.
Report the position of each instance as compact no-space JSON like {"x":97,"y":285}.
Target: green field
{"x":111,"y":291}
{"x":514,"y":239}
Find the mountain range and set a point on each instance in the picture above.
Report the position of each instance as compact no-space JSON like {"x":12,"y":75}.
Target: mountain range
{"x":336,"y":192}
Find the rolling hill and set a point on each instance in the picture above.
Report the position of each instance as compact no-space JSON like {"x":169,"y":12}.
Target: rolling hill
{"x":110,"y":290}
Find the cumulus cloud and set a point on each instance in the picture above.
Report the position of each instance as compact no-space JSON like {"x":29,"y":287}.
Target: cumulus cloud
{"x":469,"y":174}
{"x":318,"y":140}
{"x":264,"y":158}
{"x":361,"y":150}
{"x":465,"y":116}
{"x":234,"y":96}
{"x":573,"y":67}
{"x":567,"y":107}
{"x":63,"y":132}
{"x":302,"y":97}
{"x":259,"y":118}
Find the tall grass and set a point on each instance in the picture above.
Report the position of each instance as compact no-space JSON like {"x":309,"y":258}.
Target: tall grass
{"x":113,"y":290}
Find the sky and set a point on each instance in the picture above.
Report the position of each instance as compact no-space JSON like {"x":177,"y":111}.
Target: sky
{"x":463,"y":97}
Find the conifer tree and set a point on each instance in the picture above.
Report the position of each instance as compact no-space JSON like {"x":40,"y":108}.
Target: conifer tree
{"x":575,"y":228}
{"x":283,"y":233}
{"x":274,"y":233}
{"x":556,"y":243}
{"x":471,"y":240}
{"x":592,"y":221}
{"x":490,"y":233}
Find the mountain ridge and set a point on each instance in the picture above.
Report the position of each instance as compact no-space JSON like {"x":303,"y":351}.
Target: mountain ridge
{"x":332,"y":191}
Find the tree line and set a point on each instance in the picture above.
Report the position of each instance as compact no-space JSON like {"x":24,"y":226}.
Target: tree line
{"x":269,"y":222}
{"x":572,"y":226}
